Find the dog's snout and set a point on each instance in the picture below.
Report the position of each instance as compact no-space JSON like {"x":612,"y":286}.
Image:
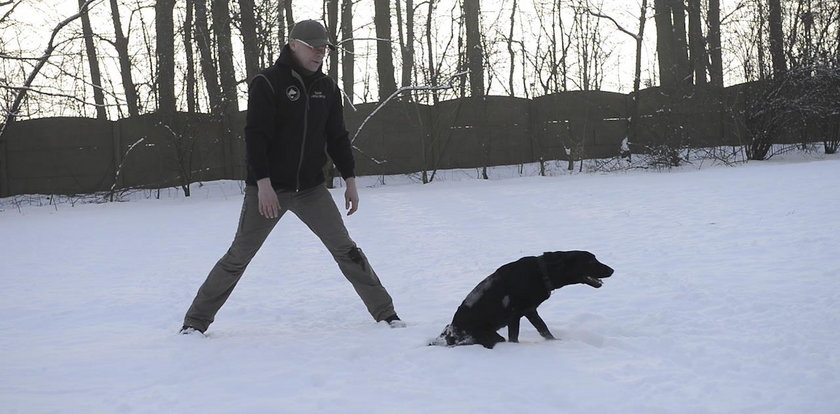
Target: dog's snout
{"x":606,"y":271}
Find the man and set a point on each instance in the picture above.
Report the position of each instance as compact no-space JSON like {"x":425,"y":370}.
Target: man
{"x":294,"y":114}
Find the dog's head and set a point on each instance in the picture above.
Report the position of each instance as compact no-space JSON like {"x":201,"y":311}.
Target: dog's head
{"x":569,"y":268}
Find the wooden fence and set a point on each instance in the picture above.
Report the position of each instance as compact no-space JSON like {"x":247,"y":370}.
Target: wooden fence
{"x":82,"y":155}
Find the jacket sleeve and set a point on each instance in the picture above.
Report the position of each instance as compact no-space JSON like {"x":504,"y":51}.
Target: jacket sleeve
{"x":259,"y":126}
{"x":338,"y":139}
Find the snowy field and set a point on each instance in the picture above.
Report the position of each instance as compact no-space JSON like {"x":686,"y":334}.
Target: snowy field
{"x":725,"y":299}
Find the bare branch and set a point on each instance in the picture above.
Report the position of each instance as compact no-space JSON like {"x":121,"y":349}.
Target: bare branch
{"x":8,"y":12}
{"x":618,"y":26}
{"x":10,"y":57}
{"x":450,"y":85}
{"x":12,"y":113}
{"x":120,"y":167}
{"x":41,"y":92}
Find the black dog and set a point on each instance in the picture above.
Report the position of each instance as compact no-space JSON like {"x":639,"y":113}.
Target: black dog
{"x":515,"y":290}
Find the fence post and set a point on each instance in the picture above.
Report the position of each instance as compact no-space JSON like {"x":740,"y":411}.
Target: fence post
{"x":118,"y":155}
{"x":4,"y":169}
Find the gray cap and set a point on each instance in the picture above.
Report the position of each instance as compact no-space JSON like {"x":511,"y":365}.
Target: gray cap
{"x":311,"y":32}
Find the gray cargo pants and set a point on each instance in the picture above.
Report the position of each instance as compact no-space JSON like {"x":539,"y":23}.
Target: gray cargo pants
{"x":316,"y":208}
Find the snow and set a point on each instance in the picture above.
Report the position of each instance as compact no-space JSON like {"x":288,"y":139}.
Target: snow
{"x":725,"y":299}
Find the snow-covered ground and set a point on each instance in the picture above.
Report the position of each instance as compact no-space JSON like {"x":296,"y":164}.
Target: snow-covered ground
{"x":725,"y":299}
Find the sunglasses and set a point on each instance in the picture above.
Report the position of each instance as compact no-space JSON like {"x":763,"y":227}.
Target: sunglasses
{"x":322,"y":49}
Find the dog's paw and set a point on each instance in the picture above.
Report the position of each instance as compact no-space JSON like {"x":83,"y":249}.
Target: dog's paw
{"x":438,"y":341}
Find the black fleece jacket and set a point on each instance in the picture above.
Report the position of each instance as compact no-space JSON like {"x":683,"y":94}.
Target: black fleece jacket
{"x":292,"y":118}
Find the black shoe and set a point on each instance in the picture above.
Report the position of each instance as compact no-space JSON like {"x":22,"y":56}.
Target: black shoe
{"x":189,"y":330}
{"x":394,"y":321}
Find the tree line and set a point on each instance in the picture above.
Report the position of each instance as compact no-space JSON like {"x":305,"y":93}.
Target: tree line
{"x":123,"y":58}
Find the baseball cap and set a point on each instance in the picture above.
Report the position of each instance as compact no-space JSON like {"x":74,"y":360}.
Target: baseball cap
{"x":312,"y":33}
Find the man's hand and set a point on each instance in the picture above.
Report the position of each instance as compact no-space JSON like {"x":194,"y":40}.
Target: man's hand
{"x":269,"y":206}
{"x":351,"y":196}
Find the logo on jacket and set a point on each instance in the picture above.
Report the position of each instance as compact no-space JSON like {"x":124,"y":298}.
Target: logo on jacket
{"x":293,"y":93}
{"x":318,"y":94}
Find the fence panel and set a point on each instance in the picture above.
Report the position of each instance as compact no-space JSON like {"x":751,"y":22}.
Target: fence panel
{"x":392,"y":141}
{"x":81,"y":155}
{"x":59,"y":156}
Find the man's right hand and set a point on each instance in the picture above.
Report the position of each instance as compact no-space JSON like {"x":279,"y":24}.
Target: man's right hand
{"x":269,"y":206}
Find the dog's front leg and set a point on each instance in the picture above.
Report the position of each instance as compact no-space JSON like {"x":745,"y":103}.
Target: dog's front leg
{"x":513,"y":330}
{"x":538,"y":323}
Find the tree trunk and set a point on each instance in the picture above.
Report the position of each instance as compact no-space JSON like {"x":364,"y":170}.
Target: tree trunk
{"x":683,"y":67}
{"x":227,"y":73}
{"x":121,"y":43}
{"x":406,"y":42}
{"x":716,"y":55}
{"x":347,"y":58}
{"x":93,"y":62}
{"x":777,"y":38}
{"x":281,"y":21}
{"x":249,"y":38}
{"x":165,"y":51}
{"x":384,"y":59}
{"x":664,"y":45}
{"x":332,"y":31}
{"x":510,"y":48}
{"x":474,"y":52}
{"x":290,"y":17}
{"x":188,"y":51}
{"x":430,"y":51}
{"x":637,"y":76}
{"x":697,"y":47}
{"x":208,"y":65}
{"x":565,"y":43}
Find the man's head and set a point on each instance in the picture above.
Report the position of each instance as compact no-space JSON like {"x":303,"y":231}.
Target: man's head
{"x":309,"y":42}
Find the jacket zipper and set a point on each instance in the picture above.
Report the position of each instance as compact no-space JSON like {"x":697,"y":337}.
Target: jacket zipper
{"x":305,"y":125}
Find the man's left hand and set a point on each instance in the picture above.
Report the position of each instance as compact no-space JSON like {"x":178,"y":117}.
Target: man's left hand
{"x":351,"y":196}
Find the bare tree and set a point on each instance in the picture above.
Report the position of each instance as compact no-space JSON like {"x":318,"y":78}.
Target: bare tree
{"x":165,"y":51}
{"x":331,"y":8}
{"x":407,"y":41}
{"x":384,"y":59}
{"x":93,"y":63}
{"x":208,"y":65}
{"x":21,"y":91}
{"x":347,"y":57}
{"x":249,"y":38}
{"x":664,"y":44}
{"x":227,"y":72}
{"x":511,"y":53}
{"x":715,"y":51}
{"x":776,"y":38}
{"x":549,"y":62}
{"x":696,"y":44}
{"x":633,"y":120}
{"x":680,"y":44}
{"x":589,"y":42}
{"x":281,"y":21}
{"x":188,"y":52}
{"x":430,"y":49}
{"x":474,"y":50}
{"x":285,"y":8}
